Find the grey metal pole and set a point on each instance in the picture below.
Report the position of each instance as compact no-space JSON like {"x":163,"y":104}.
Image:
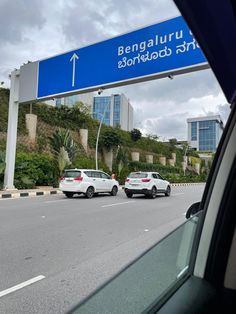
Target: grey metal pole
{"x":98,"y":134}
{"x":12,"y":131}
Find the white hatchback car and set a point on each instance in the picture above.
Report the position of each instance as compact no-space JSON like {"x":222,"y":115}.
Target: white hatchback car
{"x":147,"y":183}
{"x":87,"y":182}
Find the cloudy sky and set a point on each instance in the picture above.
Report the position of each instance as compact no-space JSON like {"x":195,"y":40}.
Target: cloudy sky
{"x":37,"y":29}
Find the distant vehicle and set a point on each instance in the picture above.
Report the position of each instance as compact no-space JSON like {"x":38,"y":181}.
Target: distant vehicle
{"x":87,"y":182}
{"x":147,"y":183}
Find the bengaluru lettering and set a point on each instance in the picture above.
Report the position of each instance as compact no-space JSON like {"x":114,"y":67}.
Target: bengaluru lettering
{"x":143,"y":53}
{"x":148,"y":56}
{"x":152,"y":42}
{"x":185,"y":47}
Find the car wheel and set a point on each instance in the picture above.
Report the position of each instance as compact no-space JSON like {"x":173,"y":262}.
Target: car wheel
{"x":129,"y":195}
{"x":153,"y":192}
{"x":90,"y":192}
{"x":114,"y":191}
{"x":168,"y":190}
{"x":69,"y":194}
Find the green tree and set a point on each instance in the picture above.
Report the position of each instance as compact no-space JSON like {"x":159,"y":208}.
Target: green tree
{"x":110,"y":139}
{"x":173,"y":141}
{"x":34,"y":169}
{"x":122,"y":158}
{"x":63,"y":139}
{"x":135,"y":135}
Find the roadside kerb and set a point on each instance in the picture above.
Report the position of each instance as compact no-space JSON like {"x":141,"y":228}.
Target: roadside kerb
{"x":27,"y":193}
{"x":185,"y":184}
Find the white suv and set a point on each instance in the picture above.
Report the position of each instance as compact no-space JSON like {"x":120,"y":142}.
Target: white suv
{"x":147,"y":183}
{"x":87,"y":182}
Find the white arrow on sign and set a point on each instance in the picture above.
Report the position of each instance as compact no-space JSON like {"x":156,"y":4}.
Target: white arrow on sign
{"x":73,"y":58}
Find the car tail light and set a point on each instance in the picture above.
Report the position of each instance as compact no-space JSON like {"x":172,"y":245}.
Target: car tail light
{"x":78,"y":179}
{"x":62,"y":178}
{"x":126,"y":180}
{"x":146,"y":180}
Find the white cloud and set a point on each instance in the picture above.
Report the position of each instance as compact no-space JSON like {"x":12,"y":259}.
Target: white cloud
{"x":171,"y":123}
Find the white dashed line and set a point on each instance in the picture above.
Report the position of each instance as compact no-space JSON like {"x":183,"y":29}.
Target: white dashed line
{"x":116,"y":204}
{"x":21,"y":285}
{"x":56,"y":201}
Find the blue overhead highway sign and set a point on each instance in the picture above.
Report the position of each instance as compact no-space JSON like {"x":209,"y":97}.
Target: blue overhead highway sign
{"x":156,"y":50}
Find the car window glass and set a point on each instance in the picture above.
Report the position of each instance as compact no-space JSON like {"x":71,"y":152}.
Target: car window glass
{"x":88,"y":173}
{"x":104,"y":176}
{"x":95,"y":174}
{"x":154,"y":175}
{"x":138,"y":175}
{"x":72,"y":174}
{"x":145,"y":280}
{"x":159,"y":177}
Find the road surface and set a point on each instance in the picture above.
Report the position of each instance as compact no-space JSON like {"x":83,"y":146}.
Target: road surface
{"x":54,"y":251}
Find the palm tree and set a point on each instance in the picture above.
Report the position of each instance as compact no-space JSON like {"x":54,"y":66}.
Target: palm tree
{"x":63,"y":139}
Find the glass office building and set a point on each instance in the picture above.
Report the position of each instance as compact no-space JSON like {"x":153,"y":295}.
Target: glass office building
{"x":204,"y":132}
{"x":114,"y":110}
{"x":70,"y":101}
{"x":102,"y":109}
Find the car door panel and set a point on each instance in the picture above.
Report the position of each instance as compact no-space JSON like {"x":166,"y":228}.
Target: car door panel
{"x":97,"y":181}
{"x":107,"y":182}
{"x":195,"y":296}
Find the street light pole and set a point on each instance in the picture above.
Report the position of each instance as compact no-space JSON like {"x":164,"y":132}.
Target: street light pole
{"x":98,"y":134}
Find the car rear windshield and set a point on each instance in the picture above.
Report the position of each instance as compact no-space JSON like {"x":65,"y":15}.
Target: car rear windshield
{"x":138,"y":175}
{"x":72,"y":174}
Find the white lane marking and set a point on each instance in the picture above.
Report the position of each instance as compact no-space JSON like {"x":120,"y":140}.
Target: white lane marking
{"x":146,"y":230}
{"x":175,"y":194}
{"x":21,"y":285}
{"x":115,"y":204}
{"x":56,"y":201}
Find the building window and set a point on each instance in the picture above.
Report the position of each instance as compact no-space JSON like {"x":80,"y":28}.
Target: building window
{"x":193,"y":131}
{"x":207,"y":135}
{"x":116,"y":110}
{"x":102,"y":105}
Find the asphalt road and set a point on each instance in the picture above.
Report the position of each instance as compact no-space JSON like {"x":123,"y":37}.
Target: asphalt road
{"x":68,"y":247}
